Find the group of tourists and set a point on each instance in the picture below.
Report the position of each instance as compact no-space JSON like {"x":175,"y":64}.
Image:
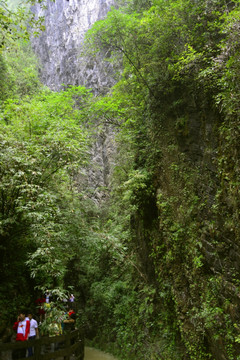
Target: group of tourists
{"x":56,"y":322}
{"x":26,"y":328}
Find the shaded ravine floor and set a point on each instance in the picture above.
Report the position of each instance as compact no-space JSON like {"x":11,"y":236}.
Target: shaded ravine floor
{"x":94,"y":354}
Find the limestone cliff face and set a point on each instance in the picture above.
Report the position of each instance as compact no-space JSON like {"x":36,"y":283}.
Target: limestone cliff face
{"x":60,"y":52}
{"x":59,"y":47}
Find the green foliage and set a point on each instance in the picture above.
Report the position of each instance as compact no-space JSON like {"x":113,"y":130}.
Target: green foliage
{"x":53,"y":320}
{"x":14,"y":20}
{"x":42,"y":143}
{"x":18,"y":71}
{"x":137,"y":187}
{"x":3,"y":78}
{"x":22,"y":74}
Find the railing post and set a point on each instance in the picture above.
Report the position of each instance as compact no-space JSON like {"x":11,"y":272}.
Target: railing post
{"x":37,"y":350}
{"x":67,"y":345}
{"x":82,"y":342}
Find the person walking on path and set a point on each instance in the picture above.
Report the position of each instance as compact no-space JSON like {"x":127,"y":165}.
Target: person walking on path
{"x":33,"y":333}
{"x":69,"y":324}
{"x":22,"y":327}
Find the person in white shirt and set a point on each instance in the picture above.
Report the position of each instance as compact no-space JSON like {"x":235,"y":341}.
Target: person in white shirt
{"x":33,"y":333}
{"x":72,"y":298}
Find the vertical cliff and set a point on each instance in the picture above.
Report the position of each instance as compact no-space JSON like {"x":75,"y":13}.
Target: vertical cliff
{"x":59,"y":47}
{"x":62,"y":61}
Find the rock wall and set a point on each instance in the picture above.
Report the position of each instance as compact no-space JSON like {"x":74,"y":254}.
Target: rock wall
{"x":60,"y":47}
{"x":62,"y":61}
{"x":95,"y":181}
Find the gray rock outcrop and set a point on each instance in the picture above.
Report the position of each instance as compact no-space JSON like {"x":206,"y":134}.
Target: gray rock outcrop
{"x":60,"y":47}
{"x":60,"y":52}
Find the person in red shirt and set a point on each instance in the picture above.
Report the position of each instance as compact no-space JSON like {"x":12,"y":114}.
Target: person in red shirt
{"x":22,"y":327}
{"x":70,"y":322}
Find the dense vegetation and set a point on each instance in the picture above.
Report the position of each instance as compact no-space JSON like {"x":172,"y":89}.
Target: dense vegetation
{"x":156,"y":267}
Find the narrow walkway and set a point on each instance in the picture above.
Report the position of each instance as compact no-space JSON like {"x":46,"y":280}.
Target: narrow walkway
{"x":94,"y":354}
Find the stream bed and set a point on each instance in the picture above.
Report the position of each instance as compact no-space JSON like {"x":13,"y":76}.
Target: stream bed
{"x":94,"y":354}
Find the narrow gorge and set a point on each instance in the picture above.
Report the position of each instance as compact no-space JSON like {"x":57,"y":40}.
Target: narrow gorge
{"x":176,"y":213}
{"x":120,"y":167}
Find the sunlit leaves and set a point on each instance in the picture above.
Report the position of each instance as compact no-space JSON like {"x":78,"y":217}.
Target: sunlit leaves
{"x":42,"y":142}
{"x":14,"y":23}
